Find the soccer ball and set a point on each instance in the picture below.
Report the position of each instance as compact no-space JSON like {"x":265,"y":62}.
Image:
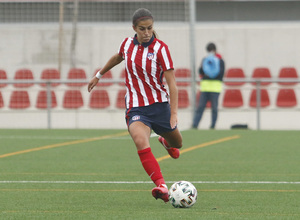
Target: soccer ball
{"x":182,"y":194}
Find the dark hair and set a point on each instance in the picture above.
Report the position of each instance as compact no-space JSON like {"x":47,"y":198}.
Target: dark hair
{"x":141,"y":14}
{"x":211,"y":47}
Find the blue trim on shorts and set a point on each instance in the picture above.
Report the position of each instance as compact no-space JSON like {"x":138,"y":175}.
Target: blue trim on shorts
{"x":156,"y":116}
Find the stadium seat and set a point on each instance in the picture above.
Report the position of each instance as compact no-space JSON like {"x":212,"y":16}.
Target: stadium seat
{"x":50,"y":74}
{"x":182,"y":73}
{"x":265,"y":101}
{"x":288,"y":72}
{"x":23,"y":74}
{"x":183,"y":98}
{"x":42,"y":100}
{"x":3,"y":76}
{"x":208,"y":104}
{"x":1,"y":101}
{"x":233,"y":98}
{"x":72,"y":99}
{"x":77,"y":74}
{"x":286,"y":98}
{"x":121,"y":99}
{"x":122,"y":77}
{"x":19,"y":100}
{"x":99,"y":99}
{"x":234,"y":73}
{"x":107,"y":75}
{"x":261,"y":73}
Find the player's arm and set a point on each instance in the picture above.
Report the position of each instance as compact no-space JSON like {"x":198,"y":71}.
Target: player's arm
{"x":170,"y":78}
{"x":113,"y":61}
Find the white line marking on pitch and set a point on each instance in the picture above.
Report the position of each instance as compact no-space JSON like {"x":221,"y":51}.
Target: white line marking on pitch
{"x":145,"y":182}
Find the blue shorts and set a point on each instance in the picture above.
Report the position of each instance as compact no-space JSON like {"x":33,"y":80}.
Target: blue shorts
{"x":155,"y":116}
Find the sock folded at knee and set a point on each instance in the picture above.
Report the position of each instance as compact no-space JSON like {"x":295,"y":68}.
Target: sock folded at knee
{"x":151,"y":166}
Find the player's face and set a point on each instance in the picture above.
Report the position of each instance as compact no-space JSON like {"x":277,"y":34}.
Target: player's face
{"x":144,"y":30}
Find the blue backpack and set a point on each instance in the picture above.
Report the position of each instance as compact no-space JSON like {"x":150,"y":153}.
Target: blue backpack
{"x":211,"y":66}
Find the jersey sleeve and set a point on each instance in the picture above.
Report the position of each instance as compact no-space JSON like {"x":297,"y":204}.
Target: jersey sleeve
{"x":165,"y":58}
{"x":121,"y":48}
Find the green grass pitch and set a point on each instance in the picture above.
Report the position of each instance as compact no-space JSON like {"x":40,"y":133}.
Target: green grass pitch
{"x":96,"y":174}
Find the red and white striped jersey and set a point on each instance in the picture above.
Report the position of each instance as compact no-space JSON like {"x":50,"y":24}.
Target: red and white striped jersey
{"x":144,"y":66}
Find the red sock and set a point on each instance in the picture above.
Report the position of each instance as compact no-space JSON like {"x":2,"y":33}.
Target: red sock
{"x":151,"y":166}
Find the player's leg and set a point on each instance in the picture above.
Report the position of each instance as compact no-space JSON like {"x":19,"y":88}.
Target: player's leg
{"x":200,"y":109}
{"x":140,"y":134}
{"x":172,"y":141}
{"x":214,"y":99}
{"x":169,"y":137}
{"x":173,"y":138}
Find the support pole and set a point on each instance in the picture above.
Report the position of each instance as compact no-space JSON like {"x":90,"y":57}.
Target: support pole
{"x":49,"y":104}
{"x":192,"y":12}
{"x":60,"y":34}
{"x":74,"y":34}
{"x":258,"y":104}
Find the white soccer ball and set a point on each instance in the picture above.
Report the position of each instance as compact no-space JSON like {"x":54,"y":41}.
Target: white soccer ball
{"x":182,"y":194}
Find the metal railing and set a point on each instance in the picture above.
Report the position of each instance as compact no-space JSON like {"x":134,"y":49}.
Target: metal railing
{"x":258,"y":85}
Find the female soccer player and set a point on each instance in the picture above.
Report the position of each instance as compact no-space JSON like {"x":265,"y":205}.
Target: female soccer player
{"x":148,"y":104}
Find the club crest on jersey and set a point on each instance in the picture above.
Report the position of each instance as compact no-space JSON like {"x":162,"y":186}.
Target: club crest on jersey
{"x":136,"y":117}
{"x":150,"y":56}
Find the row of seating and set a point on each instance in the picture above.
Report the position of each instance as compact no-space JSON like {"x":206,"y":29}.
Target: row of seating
{"x":233,"y":98}
{"x":285,"y":98}
{"x":73,"y":99}
{"x":262,"y":73}
{"x":53,"y":74}
{"x":78,"y":73}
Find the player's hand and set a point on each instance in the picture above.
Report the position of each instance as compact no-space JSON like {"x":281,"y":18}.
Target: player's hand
{"x":92,"y":83}
{"x":173,"y":121}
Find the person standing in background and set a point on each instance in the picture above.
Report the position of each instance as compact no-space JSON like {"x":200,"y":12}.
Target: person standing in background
{"x":211,"y":73}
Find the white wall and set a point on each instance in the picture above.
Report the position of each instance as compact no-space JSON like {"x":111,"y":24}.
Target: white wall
{"x":246,"y":45}
{"x":242,"y":44}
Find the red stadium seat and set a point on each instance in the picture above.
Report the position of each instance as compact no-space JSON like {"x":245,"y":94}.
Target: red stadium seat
{"x":77,"y":74}
{"x":1,"y":101}
{"x":183,"y":99}
{"x":19,"y":100}
{"x":50,"y":74}
{"x":288,"y":73}
{"x":233,"y":98}
{"x":23,"y":74}
{"x":208,"y":104}
{"x":99,"y":99}
{"x":3,"y":76}
{"x":265,"y":100}
{"x":72,"y":99}
{"x":121,"y":99}
{"x":261,"y":73}
{"x":182,"y":73}
{"x":42,"y":100}
{"x":286,"y":98}
{"x":234,"y":73}
{"x":122,"y":76}
{"x":107,"y":75}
